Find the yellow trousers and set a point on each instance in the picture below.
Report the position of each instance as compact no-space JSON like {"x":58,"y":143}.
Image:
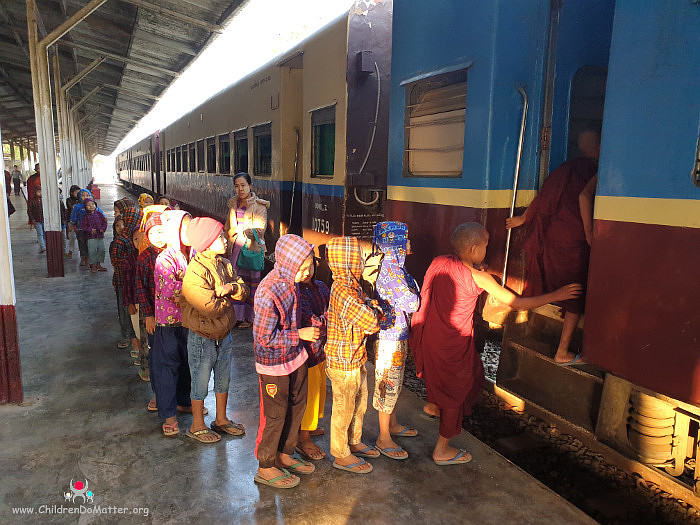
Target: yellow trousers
{"x":316,"y":397}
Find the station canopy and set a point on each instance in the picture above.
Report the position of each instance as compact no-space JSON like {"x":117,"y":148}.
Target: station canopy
{"x":132,"y":50}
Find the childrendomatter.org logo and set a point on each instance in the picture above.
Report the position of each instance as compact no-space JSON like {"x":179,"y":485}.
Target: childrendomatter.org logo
{"x":79,"y":489}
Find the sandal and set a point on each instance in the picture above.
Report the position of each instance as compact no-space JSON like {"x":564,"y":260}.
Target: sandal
{"x":152,"y":406}
{"x":301,"y":463}
{"x":199,"y":436}
{"x":385,"y":452}
{"x":101,"y":269}
{"x":244,"y":324}
{"x":406,"y":432}
{"x":460,"y":458}
{"x":272,"y":482}
{"x":134,"y":354}
{"x":233,"y":429}
{"x":365,"y":453}
{"x":145,"y":376}
{"x":351,"y":467}
{"x":123,"y":343}
{"x":170,"y":430}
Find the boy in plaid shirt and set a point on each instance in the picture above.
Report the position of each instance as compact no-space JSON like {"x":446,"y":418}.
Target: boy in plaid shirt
{"x":280,"y":360}
{"x":351,"y":317}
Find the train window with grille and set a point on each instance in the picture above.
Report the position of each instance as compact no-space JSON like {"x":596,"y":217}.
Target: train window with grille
{"x":160,"y":161}
{"x":224,"y":154}
{"x":178,"y":159}
{"x":240,"y":151}
{"x":185,"y":163}
{"x":172,"y":159}
{"x":169,"y":166}
{"x":201,"y":167}
{"x":193,"y":158}
{"x":211,"y":155}
{"x":262,"y":145}
{"x":323,"y":142}
{"x":435,"y":117}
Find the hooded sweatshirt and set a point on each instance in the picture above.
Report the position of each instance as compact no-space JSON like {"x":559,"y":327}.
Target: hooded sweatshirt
{"x":350,"y":314}
{"x":123,"y":253}
{"x":93,"y":223}
{"x":278,"y":349}
{"x":169,"y":272}
{"x":396,"y":289}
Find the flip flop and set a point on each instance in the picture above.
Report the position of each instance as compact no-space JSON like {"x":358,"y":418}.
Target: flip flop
{"x":406,"y":432}
{"x":152,"y":408}
{"x":384,"y":452}
{"x":197,"y":436}
{"x":271,"y":482}
{"x":457,"y":460}
{"x":364,"y":453}
{"x":576,"y":359}
{"x":295,"y":468}
{"x":429,"y":417}
{"x":306,"y":456}
{"x":171,"y":430}
{"x":233,"y":429}
{"x":349,"y":468}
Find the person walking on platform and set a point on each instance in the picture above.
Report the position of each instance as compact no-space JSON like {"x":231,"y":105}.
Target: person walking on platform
{"x":94,"y":225}
{"x":208,"y":291}
{"x":33,"y":182}
{"x":35,"y":212}
{"x":170,"y":371}
{"x":17,"y":179}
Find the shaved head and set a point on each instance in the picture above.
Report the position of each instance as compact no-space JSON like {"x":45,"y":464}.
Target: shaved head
{"x":466,"y":235}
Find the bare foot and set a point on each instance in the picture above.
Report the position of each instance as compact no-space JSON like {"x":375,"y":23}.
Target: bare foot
{"x":431,"y":409}
{"x":349,"y":460}
{"x":564,"y":357}
{"x":318,"y":432}
{"x":364,"y":450}
{"x":273,"y":472}
{"x":311,"y":450}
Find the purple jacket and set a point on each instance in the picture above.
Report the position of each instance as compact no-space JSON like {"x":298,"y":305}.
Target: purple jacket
{"x":94,"y":221}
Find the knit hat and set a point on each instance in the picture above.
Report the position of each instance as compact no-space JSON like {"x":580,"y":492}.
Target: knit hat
{"x":203,"y":231}
{"x":153,"y":220}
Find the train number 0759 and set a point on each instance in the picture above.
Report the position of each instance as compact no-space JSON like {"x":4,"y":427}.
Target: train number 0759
{"x":320,"y":225}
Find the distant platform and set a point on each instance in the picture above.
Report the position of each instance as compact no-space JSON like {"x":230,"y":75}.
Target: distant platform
{"x":84,"y":418}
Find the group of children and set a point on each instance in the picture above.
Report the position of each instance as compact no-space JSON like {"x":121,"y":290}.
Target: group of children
{"x":171,"y":274}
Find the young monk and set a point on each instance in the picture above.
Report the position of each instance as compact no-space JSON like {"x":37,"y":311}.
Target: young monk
{"x":442,"y":331}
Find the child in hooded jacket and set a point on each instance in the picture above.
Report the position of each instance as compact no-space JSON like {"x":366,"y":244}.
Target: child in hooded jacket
{"x":170,"y":371}
{"x":351,"y":318}
{"x":398,"y":297}
{"x":76,"y":216}
{"x":93,"y":224}
{"x":280,"y":360}
{"x":208,"y":291}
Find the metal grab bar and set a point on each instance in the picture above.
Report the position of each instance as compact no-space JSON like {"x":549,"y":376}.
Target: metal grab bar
{"x":515,"y":178}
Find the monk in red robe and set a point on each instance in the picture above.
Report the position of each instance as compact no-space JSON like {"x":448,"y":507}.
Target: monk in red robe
{"x":559,"y":225}
{"x":442,"y":331}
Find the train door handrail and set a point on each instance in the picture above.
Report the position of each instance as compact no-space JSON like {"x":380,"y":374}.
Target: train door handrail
{"x":523,"y":122}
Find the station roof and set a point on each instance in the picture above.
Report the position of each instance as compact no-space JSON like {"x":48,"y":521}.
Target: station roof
{"x":136,"y":48}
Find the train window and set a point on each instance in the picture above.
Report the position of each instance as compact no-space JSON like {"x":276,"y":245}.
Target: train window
{"x":178,"y":159}
{"x":200,"y":157}
{"x":172,"y":160}
{"x":435,"y":116}
{"x":224,"y":154}
{"x":185,"y":163}
{"x":193,"y":158}
{"x":240,"y":151}
{"x":211,"y":156}
{"x":323,"y":142}
{"x":160,"y":161}
{"x":262,"y":144}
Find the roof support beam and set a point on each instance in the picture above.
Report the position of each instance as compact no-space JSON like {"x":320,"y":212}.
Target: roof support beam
{"x":131,"y":92}
{"x":123,"y":60}
{"x":77,"y":78}
{"x":86,"y":98}
{"x":55,"y":35}
{"x":214,"y":28}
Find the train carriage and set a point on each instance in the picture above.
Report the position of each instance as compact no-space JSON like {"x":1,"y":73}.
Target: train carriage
{"x":309,"y":127}
{"x":480,"y":89}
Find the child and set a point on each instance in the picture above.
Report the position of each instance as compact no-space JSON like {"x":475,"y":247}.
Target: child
{"x":280,"y":360}
{"x":208,"y":289}
{"x":170,"y":371}
{"x":315,"y":296}
{"x":35,"y":212}
{"x":350,"y":319}
{"x":145,"y":200}
{"x":442,"y":334}
{"x":75,"y":217}
{"x":398,"y":296}
{"x":122,"y":255}
{"x":94,"y":225}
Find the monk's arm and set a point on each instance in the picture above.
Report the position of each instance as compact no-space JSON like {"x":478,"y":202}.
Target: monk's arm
{"x":585,"y":204}
{"x":516,"y":220}
{"x":488,"y":283}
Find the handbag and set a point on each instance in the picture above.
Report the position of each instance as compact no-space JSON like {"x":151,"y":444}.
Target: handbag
{"x":250,"y":260}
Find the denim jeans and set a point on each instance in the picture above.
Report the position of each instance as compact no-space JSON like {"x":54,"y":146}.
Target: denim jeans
{"x":205,"y":355}
{"x":39,"y":227}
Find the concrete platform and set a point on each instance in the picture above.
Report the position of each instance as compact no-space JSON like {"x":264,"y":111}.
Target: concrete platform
{"x":84,"y":417}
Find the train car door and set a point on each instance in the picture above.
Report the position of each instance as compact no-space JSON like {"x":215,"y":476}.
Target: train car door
{"x":576,"y":69}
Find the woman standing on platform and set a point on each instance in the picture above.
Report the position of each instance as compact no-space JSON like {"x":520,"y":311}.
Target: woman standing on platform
{"x":245,"y":227}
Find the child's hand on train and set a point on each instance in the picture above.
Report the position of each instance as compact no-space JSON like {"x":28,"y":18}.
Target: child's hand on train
{"x":570,"y":291}
{"x":514,"y":222}
{"x":310,"y":333}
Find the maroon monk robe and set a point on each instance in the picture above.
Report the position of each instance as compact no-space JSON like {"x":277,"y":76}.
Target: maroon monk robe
{"x":442,"y":336}
{"x":555,"y":244}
